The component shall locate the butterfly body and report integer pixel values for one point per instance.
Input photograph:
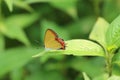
(52, 41)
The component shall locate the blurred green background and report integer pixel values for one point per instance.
(22, 27)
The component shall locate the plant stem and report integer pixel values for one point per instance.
(109, 57)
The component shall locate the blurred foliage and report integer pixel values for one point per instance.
(22, 27)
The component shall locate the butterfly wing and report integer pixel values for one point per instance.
(50, 40)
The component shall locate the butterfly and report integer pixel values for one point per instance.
(52, 41)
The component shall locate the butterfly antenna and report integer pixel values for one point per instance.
(38, 43)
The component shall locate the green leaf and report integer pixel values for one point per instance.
(16, 74)
(15, 32)
(23, 5)
(78, 47)
(46, 57)
(113, 34)
(36, 1)
(2, 27)
(116, 58)
(13, 26)
(81, 47)
(114, 77)
(108, 6)
(103, 76)
(99, 31)
(68, 6)
(21, 20)
(45, 75)
(2, 43)
(116, 64)
(116, 69)
(92, 66)
(9, 4)
(15, 58)
(85, 76)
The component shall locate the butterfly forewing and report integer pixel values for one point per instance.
(50, 40)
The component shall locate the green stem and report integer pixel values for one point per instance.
(109, 57)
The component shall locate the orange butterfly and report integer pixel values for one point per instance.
(52, 41)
